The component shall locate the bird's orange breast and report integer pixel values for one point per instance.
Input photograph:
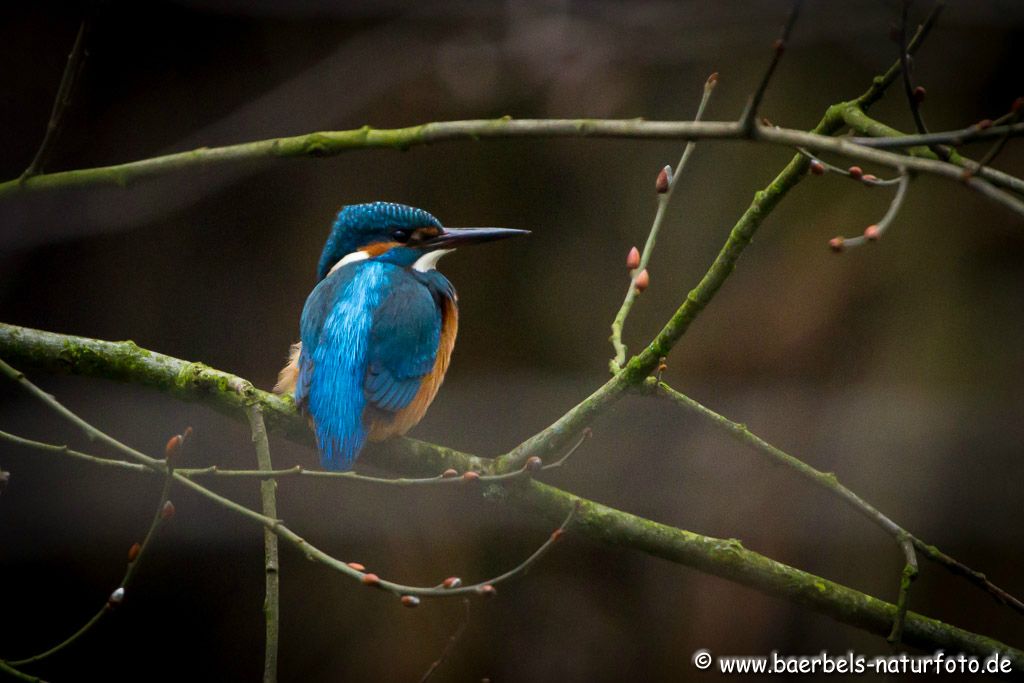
(408, 417)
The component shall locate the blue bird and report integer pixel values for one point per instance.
(377, 331)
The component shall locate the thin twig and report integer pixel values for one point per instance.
(453, 640)
(828, 481)
(749, 118)
(6, 668)
(907, 576)
(908, 87)
(652, 236)
(271, 562)
(76, 62)
(873, 233)
(134, 559)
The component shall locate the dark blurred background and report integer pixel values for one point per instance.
(897, 366)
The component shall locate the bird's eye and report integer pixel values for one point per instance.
(400, 235)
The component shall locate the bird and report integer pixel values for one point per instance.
(377, 331)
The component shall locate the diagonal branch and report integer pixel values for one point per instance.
(725, 558)
(829, 482)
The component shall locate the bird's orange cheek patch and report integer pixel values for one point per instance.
(378, 248)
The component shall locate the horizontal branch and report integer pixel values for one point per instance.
(329, 143)
(725, 558)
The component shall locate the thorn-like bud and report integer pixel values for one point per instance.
(167, 511)
(471, 476)
(856, 172)
(664, 180)
(487, 590)
(534, 463)
(452, 582)
(836, 244)
(642, 281)
(779, 45)
(633, 259)
(817, 168)
(173, 444)
(357, 566)
(410, 601)
(919, 94)
(187, 434)
(557, 534)
(869, 179)
(117, 597)
(871, 233)
(371, 580)
(133, 552)
(984, 123)
(712, 81)
(449, 473)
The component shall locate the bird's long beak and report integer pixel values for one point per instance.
(451, 238)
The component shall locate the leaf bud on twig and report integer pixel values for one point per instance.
(817, 168)
(664, 180)
(856, 172)
(410, 601)
(836, 244)
(167, 511)
(642, 281)
(633, 259)
(452, 582)
(359, 567)
(133, 552)
(872, 233)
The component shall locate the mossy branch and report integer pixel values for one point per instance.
(728, 559)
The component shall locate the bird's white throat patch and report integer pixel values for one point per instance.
(428, 261)
(349, 258)
(424, 263)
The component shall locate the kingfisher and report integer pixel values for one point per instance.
(377, 331)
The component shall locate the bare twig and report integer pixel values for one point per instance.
(663, 200)
(271, 561)
(453, 640)
(76, 61)
(828, 481)
(135, 555)
(749, 118)
(873, 233)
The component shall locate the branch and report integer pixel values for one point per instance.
(887, 137)
(664, 197)
(271, 563)
(830, 483)
(135, 555)
(331, 143)
(749, 118)
(725, 558)
(76, 62)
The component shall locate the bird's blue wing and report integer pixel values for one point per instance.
(404, 339)
(335, 329)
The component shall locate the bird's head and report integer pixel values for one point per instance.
(406, 235)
